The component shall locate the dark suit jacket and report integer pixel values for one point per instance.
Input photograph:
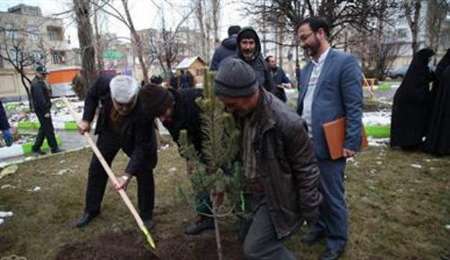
(136, 134)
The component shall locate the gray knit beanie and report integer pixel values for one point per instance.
(235, 78)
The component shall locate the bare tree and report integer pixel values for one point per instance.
(207, 14)
(20, 52)
(339, 14)
(124, 17)
(165, 49)
(200, 15)
(437, 12)
(83, 10)
(99, 48)
(411, 9)
(215, 6)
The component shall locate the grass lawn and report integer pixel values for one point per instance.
(398, 202)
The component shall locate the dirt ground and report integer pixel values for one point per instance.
(129, 245)
(398, 204)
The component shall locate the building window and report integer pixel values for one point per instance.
(402, 33)
(58, 57)
(11, 31)
(15, 56)
(54, 33)
(37, 56)
(33, 32)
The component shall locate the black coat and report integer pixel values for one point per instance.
(412, 102)
(136, 132)
(186, 116)
(4, 124)
(40, 95)
(278, 78)
(226, 49)
(258, 64)
(438, 136)
(287, 166)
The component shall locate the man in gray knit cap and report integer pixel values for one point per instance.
(281, 173)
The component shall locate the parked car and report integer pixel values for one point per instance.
(399, 72)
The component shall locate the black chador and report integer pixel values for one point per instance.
(438, 136)
(412, 103)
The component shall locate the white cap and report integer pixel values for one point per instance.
(123, 88)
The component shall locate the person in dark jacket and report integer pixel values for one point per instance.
(184, 114)
(280, 169)
(4, 126)
(227, 48)
(122, 124)
(437, 139)
(185, 80)
(249, 50)
(40, 95)
(279, 78)
(156, 80)
(412, 104)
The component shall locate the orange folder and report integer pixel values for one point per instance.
(335, 137)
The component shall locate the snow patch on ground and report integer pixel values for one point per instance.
(377, 118)
(378, 141)
(417, 166)
(5, 214)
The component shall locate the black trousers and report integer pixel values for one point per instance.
(109, 145)
(47, 131)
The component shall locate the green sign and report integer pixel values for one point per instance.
(112, 55)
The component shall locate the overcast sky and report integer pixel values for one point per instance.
(144, 13)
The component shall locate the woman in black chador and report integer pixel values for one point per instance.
(411, 108)
(438, 136)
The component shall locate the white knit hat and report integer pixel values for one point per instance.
(123, 88)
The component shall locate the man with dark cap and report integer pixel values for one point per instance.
(40, 95)
(121, 124)
(226, 49)
(280, 169)
(249, 50)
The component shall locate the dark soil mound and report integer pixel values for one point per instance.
(131, 245)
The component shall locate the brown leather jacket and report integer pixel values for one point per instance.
(287, 166)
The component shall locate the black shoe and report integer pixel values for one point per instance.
(332, 254)
(57, 150)
(38, 152)
(312, 238)
(197, 227)
(85, 219)
(149, 224)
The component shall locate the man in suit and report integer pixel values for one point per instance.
(330, 89)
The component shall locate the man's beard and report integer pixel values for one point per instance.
(248, 54)
(243, 113)
(313, 49)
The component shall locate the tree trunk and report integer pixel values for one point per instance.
(216, 20)
(200, 17)
(412, 12)
(24, 79)
(137, 41)
(85, 38)
(216, 227)
(98, 43)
